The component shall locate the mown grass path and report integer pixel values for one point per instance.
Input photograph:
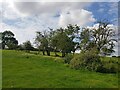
(22, 70)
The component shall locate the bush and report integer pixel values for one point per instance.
(76, 62)
(68, 58)
(108, 67)
(88, 60)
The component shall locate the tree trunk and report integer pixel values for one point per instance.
(48, 52)
(38, 51)
(3, 46)
(73, 53)
(63, 54)
(43, 52)
(55, 51)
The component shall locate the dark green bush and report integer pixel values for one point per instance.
(108, 67)
(68, 58)
(88, 60)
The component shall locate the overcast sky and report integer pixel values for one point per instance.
(25, 18)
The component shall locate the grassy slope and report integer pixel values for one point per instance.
(0, 69)
(23, 70)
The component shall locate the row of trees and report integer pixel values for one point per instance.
(67, 40)
(61, 40)
(8, 41)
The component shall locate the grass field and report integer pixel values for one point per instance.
(23, 70)
(0, 69)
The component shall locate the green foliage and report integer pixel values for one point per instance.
(27, 46)
(20, 47)
(85, 39)
(91, 61)
(68, 58)
(88, 60)
(62, 39)
(42, 42)
(9, 40)
(102, 38)
(76, 62)
(109, 66)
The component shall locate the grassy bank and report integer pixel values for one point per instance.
(23, 70)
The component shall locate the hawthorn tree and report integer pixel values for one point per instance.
(63, 39)
(41, 41)
(54, 41)
(100, 38)
(72, 32)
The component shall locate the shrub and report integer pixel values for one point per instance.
(68, 58)
(76, 62)
(108, 67)
(87, 60)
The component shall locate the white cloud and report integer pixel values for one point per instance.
(46, 10)
(47, 0)
(80, 17)
(38, 16)
(20, 34)
(46, 7)
(26, 28)
(8, 11)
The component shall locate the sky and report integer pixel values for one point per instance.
(24, 18)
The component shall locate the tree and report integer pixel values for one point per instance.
(20, 47)
(64, 43)
(53, 41)
(100, 38)
(27, 46)
(41, 41)
(85, 37)
(63, 40)
(72, 32)
(9, 40)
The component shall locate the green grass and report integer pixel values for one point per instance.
(23, 70)
(0, 69)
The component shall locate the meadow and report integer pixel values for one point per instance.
(28, 70)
